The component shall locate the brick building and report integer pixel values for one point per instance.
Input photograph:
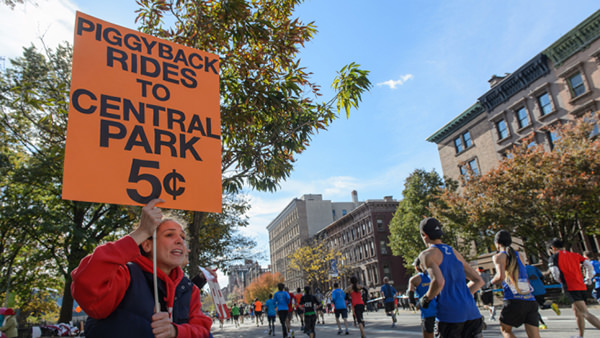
(561, 83)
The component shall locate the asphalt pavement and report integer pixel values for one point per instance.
(378, 325)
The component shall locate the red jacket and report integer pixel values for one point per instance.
(102, 278)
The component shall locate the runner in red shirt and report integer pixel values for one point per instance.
(566, 269)
(299, 310)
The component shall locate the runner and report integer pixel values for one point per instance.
(235, 313)
(566, 269)
(309, 303)
(358, 306)
(290, 312)
(338, 297)
(271, 313)
(418, 286)
(320, 310)
(389, 293)
(448, 271)
(282, 299)
(243, 312)
(596, 264)
(535, 277)
(299, 311)
(487, 294)
(258, 311)
(520, 306)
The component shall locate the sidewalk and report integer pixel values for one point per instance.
(378, 325)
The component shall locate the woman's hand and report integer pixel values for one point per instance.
(162, 326)
(151, 218)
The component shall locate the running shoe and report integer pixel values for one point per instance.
(556, 309)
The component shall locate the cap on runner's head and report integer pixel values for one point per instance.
(431, 227)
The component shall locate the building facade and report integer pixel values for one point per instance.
(559, 84)
(241, 275)
(361, 237)
(301, 219)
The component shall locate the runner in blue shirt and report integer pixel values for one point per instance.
(448, 271)
(539, 292)
(271, 313)
(593, 258)
(282, 298)
(388, 293)
(338, 297)
(520, 306)
(418, 286)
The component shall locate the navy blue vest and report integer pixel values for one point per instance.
(132, 317)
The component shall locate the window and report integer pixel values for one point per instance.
(522, 117)
(372, 249)
(463, 142)
(458, 145)
(502, 129)
(545, 104)
(344, 212)
(467, 139)
(577, 85)
(386, 271)
(552, 137)
(473, 166)
(383, 247)
(380, 224)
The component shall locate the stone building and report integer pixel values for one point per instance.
(301, 219)
(241, 275)
(561, 83)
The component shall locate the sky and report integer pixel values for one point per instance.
(428, 60)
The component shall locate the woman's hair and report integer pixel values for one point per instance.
(504, 238)
(354, 282)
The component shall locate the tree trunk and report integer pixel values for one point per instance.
(194, 234)
(66, 309)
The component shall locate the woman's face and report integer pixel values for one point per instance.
(170, 246)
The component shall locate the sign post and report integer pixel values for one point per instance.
(144, 120)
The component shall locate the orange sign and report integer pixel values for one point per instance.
(144, 120)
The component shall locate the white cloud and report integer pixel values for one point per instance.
(51, 20)
(394, 83)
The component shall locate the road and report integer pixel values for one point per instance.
(378, 325)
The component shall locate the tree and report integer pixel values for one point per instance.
(33, 114)
(313, 261)
(268, 103)
(537, 194)
(421, 188)
(260, 288)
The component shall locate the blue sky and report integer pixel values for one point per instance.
(429, 61)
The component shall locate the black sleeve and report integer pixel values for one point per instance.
(199, 281)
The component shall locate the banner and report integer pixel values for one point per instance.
(215, 292)
(144, 120)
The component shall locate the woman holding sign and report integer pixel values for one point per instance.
(114, 285)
